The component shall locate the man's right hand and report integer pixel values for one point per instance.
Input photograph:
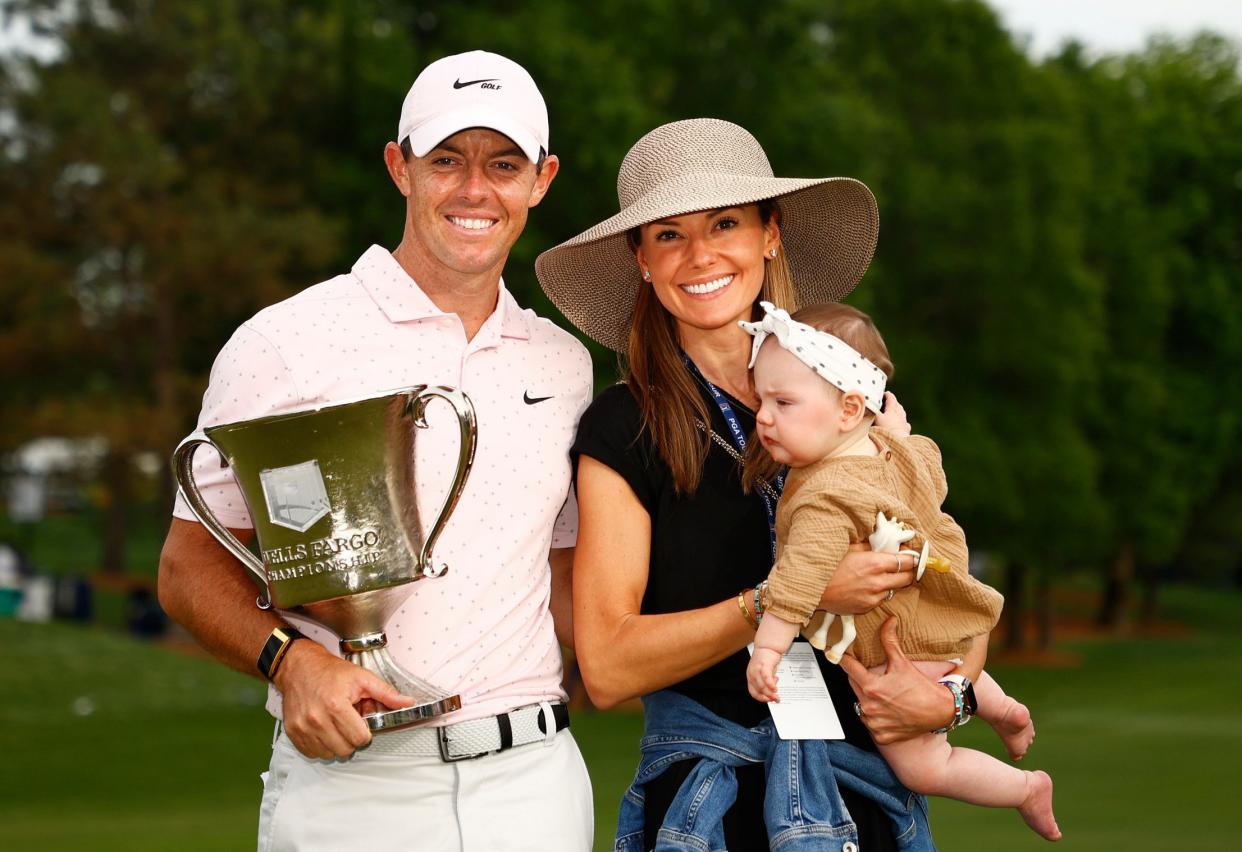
(319, 692)
(203, 587)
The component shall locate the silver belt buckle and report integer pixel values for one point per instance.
(442, 740)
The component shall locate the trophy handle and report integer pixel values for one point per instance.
(465, 458)
(183, 471)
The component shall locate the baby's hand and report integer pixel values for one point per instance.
(893, 417)
(761, 674)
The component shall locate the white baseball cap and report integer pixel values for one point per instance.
(475, 89)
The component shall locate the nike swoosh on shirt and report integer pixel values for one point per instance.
(458, 84)
(531, 400)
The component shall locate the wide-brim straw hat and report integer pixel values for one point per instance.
(829, 226)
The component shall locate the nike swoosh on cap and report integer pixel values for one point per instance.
(531, 400)
(458, 84)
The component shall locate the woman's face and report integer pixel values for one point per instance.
(707, 268)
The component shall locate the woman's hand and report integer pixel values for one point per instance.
(863, 580)
(893, 417)
(902, 703)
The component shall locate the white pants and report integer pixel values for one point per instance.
(533, 797)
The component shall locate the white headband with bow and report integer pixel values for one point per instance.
(832, 359)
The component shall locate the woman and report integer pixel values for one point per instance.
(670, 547)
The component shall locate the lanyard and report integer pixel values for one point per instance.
(739, 441)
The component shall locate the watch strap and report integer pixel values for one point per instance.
(964, 703)
(274, 650)
(968, 695)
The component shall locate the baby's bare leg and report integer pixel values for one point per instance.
(929, 765)
(1007, 716)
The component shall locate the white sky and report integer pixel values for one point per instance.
(1105, 26)
(1115, 26)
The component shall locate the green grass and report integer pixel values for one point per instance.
(112, 744)
(1142, 739)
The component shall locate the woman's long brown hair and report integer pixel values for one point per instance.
(671, 405)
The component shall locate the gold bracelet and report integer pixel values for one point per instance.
(747, 612)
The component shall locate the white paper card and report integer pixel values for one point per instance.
(805, 711)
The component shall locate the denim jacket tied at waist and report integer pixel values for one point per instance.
(802, 806)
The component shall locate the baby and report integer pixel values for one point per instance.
(821, 382)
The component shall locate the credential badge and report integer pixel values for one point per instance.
(295, 495)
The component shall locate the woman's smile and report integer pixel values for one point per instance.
(709, 288)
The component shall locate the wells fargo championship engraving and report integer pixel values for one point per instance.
(327, 554)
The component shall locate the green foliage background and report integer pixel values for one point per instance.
(1058, 271)
(1059, 277)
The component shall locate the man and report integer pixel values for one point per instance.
(471, 160)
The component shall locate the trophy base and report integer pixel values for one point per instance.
(390, 720)
(431, 700)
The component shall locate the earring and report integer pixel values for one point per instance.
(772, 254)
(646, 275)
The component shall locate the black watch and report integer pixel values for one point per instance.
(968, 696)
(274, 650)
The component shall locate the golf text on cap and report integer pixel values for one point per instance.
(487, 84)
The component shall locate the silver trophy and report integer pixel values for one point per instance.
(332, 499)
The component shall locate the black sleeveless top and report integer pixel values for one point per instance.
(705, 548)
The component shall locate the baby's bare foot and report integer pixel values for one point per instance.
(1015, 729)
(1036, 808)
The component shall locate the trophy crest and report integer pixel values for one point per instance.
(295, 495)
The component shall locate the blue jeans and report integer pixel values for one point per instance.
(802, 806)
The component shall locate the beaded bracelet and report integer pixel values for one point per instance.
(960, 714)
(759, 591)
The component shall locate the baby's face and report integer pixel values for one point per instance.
(800, 417)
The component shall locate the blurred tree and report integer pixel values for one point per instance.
(154, 194)
(1210, 553)
(1163, 232)
(978, 282)
(1057, 273)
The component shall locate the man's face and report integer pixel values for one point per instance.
(467, 200)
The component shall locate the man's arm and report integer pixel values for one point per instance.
(205, 589)
(562, 603)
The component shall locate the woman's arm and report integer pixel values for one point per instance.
(622, 653)
(561, 562)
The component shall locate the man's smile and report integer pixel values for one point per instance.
(472, 223)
